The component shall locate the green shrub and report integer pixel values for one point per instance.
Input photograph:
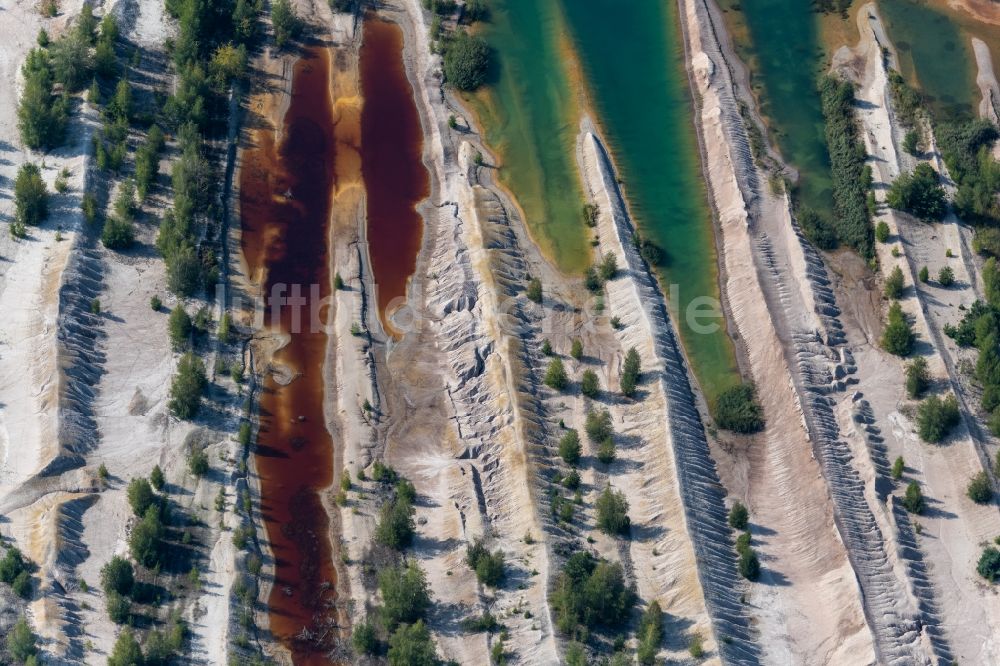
(737, 409)
(118, 234)
(12, 565)
(590, 386)
(980, 491)
(405, 595)
(898, 466)
(598, 425)
(606, 450)
(612, 512)
(127, 651)
(156, 478)
(31, 197)
(467, 61)
(119, 608)
(412, 645)
(364, 639)
(882, 232)
(140, 496)
(144, 540)
(22, 585)
(749, 565)
(555, 375)
(198, 461)
(569, 447)
(913, 501)
(918, 377)
(41, 116)
(395, 526)
(924, 275)
(609, 267)
(650, 634)
(187, 387)
(287, 25)
(546, 347)
(739, 517)
(936, 418)
(22, 644)
(946, 276)
(894, 283)
(919, 194)
(590, 593)
(489, 567)
(989, 564)
(534, 290)
(911, 142)
(898, 336)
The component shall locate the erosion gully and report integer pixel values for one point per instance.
(286, 199)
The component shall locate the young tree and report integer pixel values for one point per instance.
(412, 645)
(936, 418)
(946, 276)
(534, 290)
(127, 651)
(187, 386)
(919, 193)
(898, 466)
(737, 409)
(650, 634)
(467, 61)
(914, 498)
(117, 576)
(287, 25)
(598, 425)
(489, 567)
(31, 197)
(395, 526)
(555, 375)
(576, 350)
(22, 642)
(569, 447)
(156, 478)
(631, 370)
(144, 541)
(918, 377)
(980, 491)
(405, 595)
(894, 283)
(118, 233)
(989, 564)
(739, 517)
(364, 640)
(612, 512)
(749, 565)
(924, 275)
(590, 386)
(41, 117)
(140, 496)
(882, 232)
(609, 267)
(898, 336)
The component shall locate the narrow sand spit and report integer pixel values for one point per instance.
(804, 558)
(989, 106)
(685, 557)
(941, 559)
(898, 606)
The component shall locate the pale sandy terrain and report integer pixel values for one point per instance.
(952, 532)
(987, 11)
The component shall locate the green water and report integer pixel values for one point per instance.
(933, 55)
(785, 46)
(634, 68)
(530, 116)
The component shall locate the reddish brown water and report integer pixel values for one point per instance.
(391, 148)
(286, 195)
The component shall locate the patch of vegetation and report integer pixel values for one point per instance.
(650, 634)
(913, 501)
(187, 387)
(612, 512)
(989, 564)
(489, 567)
(979, 490)
(919, 193)
(965, 147)
(31, 197)
(898, 466)
(898, 337)
(534, 290)
(287, 25)
(631, 372)
(42, 115)
(555, 375)
(21, 642)
(847, 159)
(590, 386)
(588, 594)
(739, 517)
(405, 595)
(894, 283)
(569, 447)
(737, 409)
(412, 645)
(936, 418)
(918, 377)
(467, 61)
(395, 526)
